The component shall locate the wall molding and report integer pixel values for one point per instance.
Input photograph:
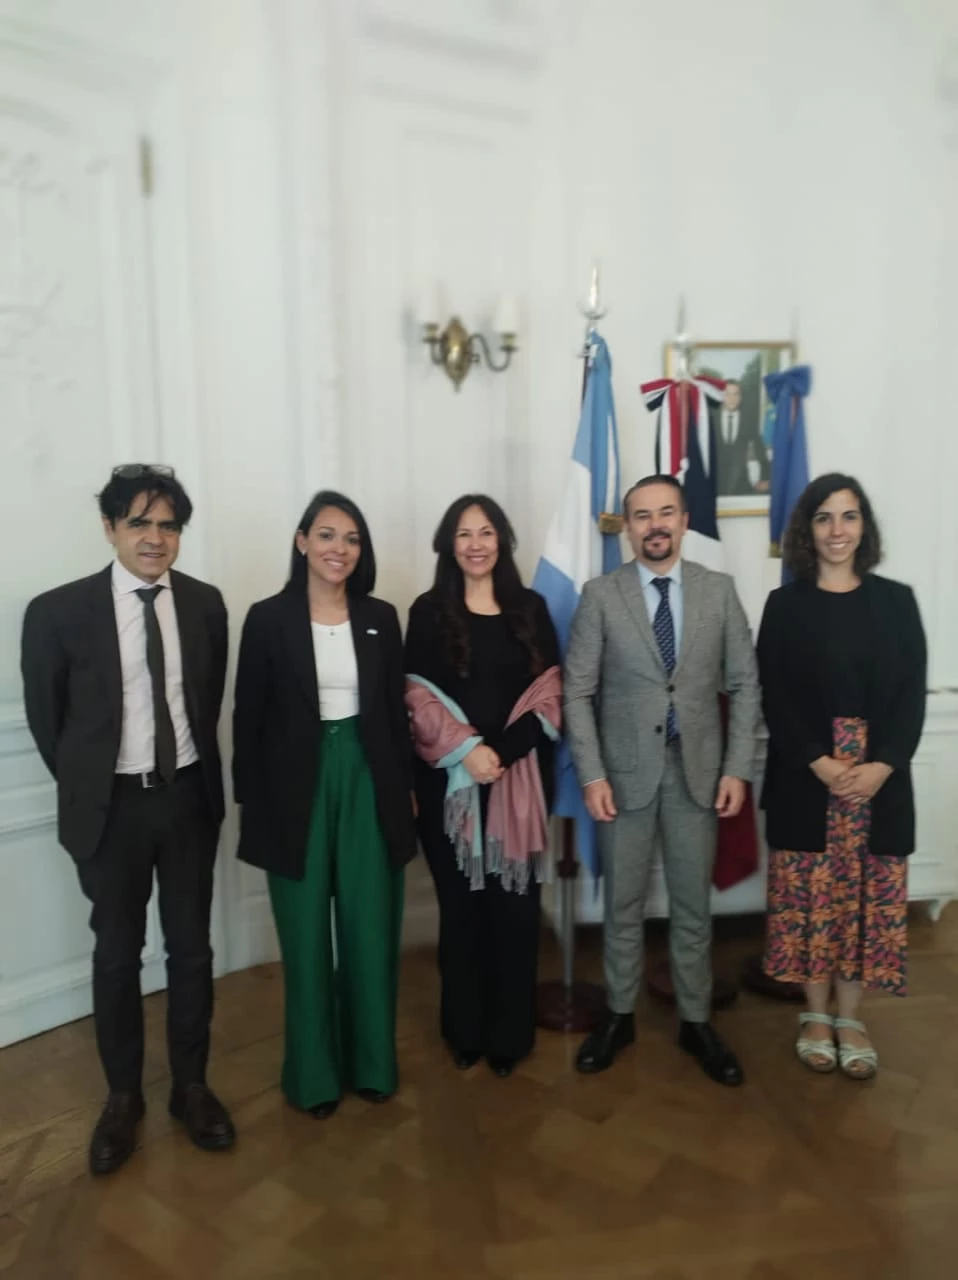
(11, 827)
(411, 37)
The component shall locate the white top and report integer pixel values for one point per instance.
(137, 747)
(336, 672)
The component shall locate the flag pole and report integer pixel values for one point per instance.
(569, 1005)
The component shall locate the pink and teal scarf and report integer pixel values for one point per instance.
(516, 835)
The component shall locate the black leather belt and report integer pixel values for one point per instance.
(152, 781)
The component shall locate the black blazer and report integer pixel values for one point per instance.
(733, 458)
(73, 690)
(799, 721)
(276, 729)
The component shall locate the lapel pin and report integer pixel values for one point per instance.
(371, 631)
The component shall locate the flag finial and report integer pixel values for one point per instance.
(682, 345)
(593, 312)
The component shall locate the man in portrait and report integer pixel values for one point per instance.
(743, 463)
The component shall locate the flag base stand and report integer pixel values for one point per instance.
(755, 979)
(564, 1004)
(659, 984)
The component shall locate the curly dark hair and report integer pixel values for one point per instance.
(798, 550)
(449, 592)
(130, 479)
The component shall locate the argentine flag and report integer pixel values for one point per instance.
(576, 550)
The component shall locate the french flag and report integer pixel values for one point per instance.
(577, 549)
(685, 448)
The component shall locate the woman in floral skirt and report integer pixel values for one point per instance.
(842, 661)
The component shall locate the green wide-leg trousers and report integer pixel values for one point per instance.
(340, 1016)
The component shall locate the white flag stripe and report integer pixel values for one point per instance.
(573, 543)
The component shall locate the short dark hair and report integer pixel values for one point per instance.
(798, 550)
(362, 580)
(658, 478)
(131, 479)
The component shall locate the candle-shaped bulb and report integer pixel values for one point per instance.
(507, 315)
(594, 290)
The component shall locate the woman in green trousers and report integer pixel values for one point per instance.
(322, 768)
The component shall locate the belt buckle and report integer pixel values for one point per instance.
(148, 780)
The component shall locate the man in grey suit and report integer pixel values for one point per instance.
(651, 648)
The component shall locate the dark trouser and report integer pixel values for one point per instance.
(488, 950)
(169, 830)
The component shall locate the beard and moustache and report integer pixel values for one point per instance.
(657, 553)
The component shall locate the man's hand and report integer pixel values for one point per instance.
(730, 797)
(599, 802)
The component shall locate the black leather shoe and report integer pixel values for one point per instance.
(114, 1138)
(614, 1032)
(323, 1110)
(374, 1095)
(206, 1119)
(713, 1055)
(465, 1058)
(501, 1067)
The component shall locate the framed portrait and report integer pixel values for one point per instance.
(744, 422)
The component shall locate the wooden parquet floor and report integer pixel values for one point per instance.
(647, 1171)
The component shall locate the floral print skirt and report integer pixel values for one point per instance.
(842, 912)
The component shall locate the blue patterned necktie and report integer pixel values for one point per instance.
(664, 629)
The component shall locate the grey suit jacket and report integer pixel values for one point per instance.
(617, 691)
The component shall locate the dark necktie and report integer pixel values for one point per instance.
(664, 628)
(164, 737)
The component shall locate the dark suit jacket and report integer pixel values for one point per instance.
(733, 477)
(276, 729)
(73, 690)
(799, 719)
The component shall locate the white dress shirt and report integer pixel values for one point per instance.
(730, 423)
(137, 746)
(653, 596)
(336, 672)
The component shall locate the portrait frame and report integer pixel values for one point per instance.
(746, 363)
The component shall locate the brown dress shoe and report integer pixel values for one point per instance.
(114, 1138)
(206, 1119)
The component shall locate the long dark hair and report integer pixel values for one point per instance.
(449, 592)
(798, 550)
(362, 580)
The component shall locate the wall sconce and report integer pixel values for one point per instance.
(456, 350)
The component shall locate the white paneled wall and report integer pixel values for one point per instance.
(318, 166)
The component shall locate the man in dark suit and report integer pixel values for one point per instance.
(123, 679)
(743, 466)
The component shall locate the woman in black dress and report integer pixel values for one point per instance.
(842, 662)
(482, 639)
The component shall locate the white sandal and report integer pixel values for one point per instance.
(824, 1050)
(856, 1063)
